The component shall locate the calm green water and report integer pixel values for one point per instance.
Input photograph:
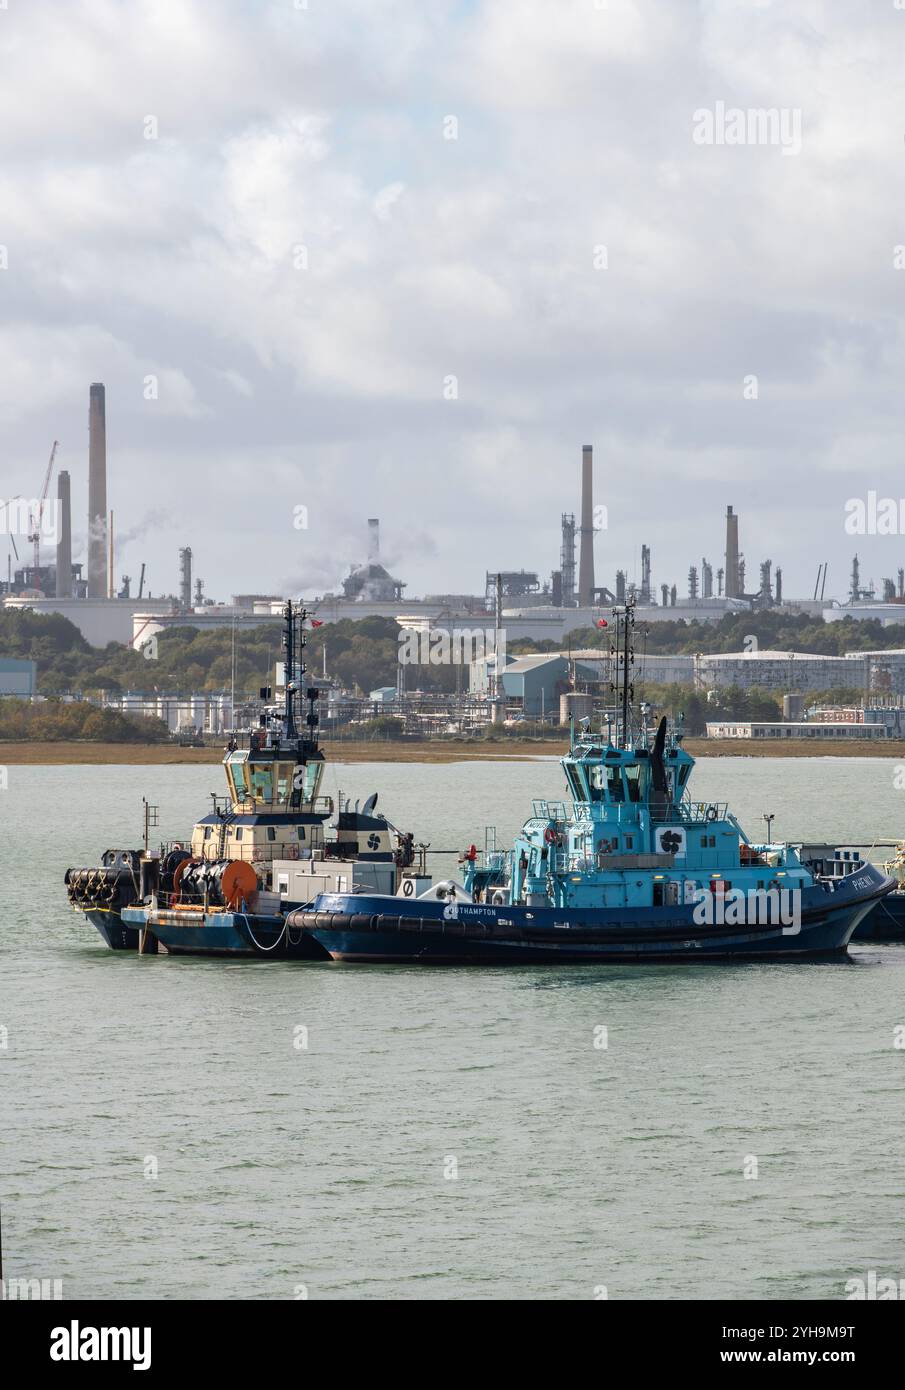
(327, 1167)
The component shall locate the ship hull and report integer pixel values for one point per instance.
(115, 933)
(359, 928)
(885, 921)
(234, 934)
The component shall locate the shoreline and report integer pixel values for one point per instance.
(65, 754)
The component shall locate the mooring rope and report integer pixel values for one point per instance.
(257, 943)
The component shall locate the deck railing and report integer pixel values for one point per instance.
(684, 812)
(687, 812)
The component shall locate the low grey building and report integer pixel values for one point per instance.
(18, 677)
(749, 729)
(781, 671)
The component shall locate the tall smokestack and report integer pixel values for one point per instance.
(185, 579)
(64, 543)
(97, 492)
(373, 540)
(586, 558)
(732, 575)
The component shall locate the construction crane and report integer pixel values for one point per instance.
(12, 539)
(35, 521)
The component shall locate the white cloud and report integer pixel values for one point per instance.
(386, 200)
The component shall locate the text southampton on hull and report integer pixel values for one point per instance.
(631, 869)
(261, 851)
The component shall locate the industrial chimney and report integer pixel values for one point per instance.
(185, 579)
(644, 596)
(64, 542)
(732, 574)
(586, 555)
(97, 492)
(706, 579)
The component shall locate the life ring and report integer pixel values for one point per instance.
(550, 835)
(408, 888)
(712, 813)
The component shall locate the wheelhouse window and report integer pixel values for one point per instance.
(636, 781)
(605, 783)
(262, 783)
(575, 783)
(239, 780)
(313, 773)
(614, 784)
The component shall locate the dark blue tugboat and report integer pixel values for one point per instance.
(633, 869)
(261, 852)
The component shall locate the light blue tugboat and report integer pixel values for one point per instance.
(632, 869)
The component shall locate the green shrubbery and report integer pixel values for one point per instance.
(362, 656)
(54, 721)
(774, 630)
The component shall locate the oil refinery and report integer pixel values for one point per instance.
(535, 605)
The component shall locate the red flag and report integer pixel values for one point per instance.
(602, 622)
(315, 623)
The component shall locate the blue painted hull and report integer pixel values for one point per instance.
(226, 934)
(117, 934)
(884, 922)
(383, 931)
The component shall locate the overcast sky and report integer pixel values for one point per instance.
(319, 135)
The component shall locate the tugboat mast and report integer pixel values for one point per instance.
(290, 733)
(294, 643)
(624, 653)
